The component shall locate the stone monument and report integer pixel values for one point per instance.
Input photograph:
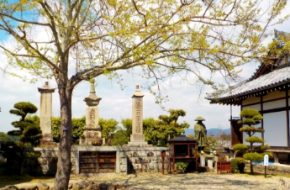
(46, 113)
(137, 136)
(92, 132)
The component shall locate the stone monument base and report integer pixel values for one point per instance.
(138, 143)
(91, 137)
(137, 140)
(47, 141)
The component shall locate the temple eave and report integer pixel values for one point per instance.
(237, 99)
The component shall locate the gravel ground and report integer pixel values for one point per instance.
(201, 181)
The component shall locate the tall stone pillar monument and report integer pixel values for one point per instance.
(137, 136)
(46, 113)
(92, 132)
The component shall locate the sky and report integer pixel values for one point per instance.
(116, 100)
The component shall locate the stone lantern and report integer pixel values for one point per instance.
(92, 132)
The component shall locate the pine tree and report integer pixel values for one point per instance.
(28, 130)
(254, 149)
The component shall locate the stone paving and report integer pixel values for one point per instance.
(201, 181)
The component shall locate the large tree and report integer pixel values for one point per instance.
(162, 36)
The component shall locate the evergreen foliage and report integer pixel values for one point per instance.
(78, 125)
(156, 131)
(108, 127)
(255, 149)
(169, 126)
(238, 164)
(17, 145)
(127, 124)
(159, 131)
(120, 137)
(28, 130)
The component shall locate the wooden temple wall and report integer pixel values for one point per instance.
(275, 110)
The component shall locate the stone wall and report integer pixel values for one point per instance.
(135, 159)
(129, 159)
(47, 160)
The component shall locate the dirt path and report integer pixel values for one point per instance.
(202, 181)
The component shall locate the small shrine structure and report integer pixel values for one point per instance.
(183, 149)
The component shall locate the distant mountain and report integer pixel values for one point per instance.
(211, 131)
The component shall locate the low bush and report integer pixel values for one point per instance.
(238, 165)
(181, 166)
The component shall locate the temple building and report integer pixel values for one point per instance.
(268, 90)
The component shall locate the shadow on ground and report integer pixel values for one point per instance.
(12, 180)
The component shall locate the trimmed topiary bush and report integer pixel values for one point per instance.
(255, 149)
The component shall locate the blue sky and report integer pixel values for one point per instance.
(116, 101)
(31, 15)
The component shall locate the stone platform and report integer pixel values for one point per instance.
(129, 159)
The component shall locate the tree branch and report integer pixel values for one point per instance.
(23, 21)
(47, 10)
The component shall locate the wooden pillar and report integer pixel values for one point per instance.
(287, 116)
(236, 134)
(261, 112)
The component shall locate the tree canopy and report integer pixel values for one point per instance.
(170, 36)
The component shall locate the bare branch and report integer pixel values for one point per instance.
(139, 12)
(47, 10)
(23, 21)
(17, 54)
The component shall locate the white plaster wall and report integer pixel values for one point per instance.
(255, 106)
(275, 126)
(274, 104)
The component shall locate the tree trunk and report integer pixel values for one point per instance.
(64, 150)
(251, 167)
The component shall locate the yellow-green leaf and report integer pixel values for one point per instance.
(112, 3)
(23, 1)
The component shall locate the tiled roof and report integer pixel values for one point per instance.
(182, 138)
(270, 80)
